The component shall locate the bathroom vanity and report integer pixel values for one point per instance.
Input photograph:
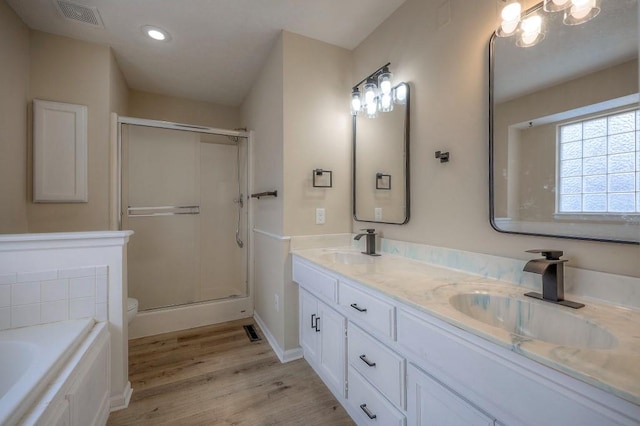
(403, 342)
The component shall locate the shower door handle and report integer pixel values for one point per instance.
(162, 211)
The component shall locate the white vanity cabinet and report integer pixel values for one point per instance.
(405, 366)
(431, 403)
(322, 337)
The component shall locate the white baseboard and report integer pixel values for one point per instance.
(283, 356)
(120, 402)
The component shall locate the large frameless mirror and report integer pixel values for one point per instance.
(381, 164)
(565, 126)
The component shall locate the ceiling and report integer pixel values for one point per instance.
(217, 47)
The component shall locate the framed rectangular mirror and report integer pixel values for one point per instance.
(565, 127)
(381, 165)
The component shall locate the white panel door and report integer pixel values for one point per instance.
(309, 336)
(430, 403)
(333, 356)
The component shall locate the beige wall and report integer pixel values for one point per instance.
(179, 110)
(67, 70)
(296, 110)
(118, 89)
(14, 85)
(262, 112)
(448, 70)
(317, 134)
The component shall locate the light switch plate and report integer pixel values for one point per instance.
(377, 212)
(320, 216)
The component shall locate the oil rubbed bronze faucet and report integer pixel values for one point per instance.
(370, 241)
(552, 270)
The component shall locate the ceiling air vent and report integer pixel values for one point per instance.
(80, 13)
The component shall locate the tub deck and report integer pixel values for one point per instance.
(30, 358)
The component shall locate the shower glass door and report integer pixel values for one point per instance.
(180, 194)
(163, 194)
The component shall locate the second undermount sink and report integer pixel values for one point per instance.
(536, 320)
(348, 257)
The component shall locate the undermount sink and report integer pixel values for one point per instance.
(536, 320)
(347, 257)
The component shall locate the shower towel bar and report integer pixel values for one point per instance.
(162, 211)
(265, 194)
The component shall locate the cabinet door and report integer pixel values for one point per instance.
(309, 333)
(430, 403)
(333, 356)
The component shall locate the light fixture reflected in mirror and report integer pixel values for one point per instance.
(529, 25)
(531, 32)
(581, 11)
(556, 5)
(510, 11)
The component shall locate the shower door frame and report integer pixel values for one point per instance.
(173, 318)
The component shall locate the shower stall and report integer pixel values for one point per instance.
(183, 192)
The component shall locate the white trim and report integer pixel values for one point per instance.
(58, 240)
(283, 356)
(271, 235)
(180, 126)
(120, 402)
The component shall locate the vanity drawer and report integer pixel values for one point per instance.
(367, 311)
(316, 282)
(368, 406)
(379, 365)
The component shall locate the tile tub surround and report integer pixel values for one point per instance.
(428, 288)
(41, 297)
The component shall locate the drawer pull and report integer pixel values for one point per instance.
(369, 414)
(358, 308)
(364, 359)
(317, 324)
(312, 318)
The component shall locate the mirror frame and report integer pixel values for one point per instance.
(407, 128)
(492, 171)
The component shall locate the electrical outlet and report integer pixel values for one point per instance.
(320, 216)
(377, 212)
(277, 300)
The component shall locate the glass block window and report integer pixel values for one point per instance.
(599, 165)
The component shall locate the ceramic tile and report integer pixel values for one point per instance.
(25, 315)
(8, 278)
(5, 318)
(54, 290)
(24, 277)
(82, 287)
(25, 293)
(82, 308)
(102, 288)
(5, 295)
(54, 311)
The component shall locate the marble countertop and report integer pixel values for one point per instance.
(607, 355)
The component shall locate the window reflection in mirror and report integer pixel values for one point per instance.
(381, 165)
(565, 129)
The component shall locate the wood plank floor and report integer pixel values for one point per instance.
(215, 376)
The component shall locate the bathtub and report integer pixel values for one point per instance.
(31, 358)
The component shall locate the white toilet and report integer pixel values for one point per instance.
(132, 309)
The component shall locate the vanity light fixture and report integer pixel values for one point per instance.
(156, 33)
(529, 26)
(378, 93)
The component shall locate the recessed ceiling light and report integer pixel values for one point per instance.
(156, 33)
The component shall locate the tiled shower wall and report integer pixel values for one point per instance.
(39, 297)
